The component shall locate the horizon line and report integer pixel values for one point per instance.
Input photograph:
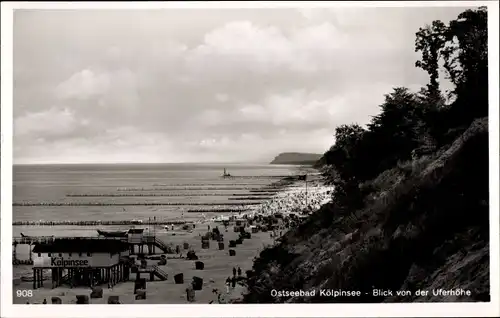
(135, 163)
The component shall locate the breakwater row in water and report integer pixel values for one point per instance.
(289, 177)
(129, 204)
(124, 195)
(265, 190)
(196, 188)
(209, 184)
(251, 198)
(95, 223)
(218, 210)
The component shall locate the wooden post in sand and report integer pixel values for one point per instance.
(306, 189)
(14, 252)
(34, 278)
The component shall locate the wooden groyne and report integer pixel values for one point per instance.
(130, 204)
(251, 198)
(265, 190)
(255, 194)
(191, 189)
(209, 184)
(217, 210)
(124, 195)
(97, 223)
(288, 177)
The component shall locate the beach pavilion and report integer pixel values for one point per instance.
(81, 261)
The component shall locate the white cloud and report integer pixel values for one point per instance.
(204, 85)
(110, 87)
(53, 122)
(264, 49)
(83, 85)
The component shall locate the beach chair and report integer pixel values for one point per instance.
(179, 278)
(197, 283)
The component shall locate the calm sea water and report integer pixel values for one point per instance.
(53, 183)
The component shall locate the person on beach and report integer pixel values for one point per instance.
(239, 271)
(233, 282)
(228, 282)
(45, 301)
(234, 271)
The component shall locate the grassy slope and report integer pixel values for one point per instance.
(424, 226)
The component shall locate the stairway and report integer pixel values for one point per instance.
(65, 279)
(159, 273)
(161, 245)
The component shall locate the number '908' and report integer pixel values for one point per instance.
(24, 293)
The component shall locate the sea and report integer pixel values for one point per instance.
(183, 187)
(191, 186)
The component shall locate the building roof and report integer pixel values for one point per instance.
(84, 245)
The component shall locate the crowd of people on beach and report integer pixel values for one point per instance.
(296, 201)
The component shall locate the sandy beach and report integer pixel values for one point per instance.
(218, 263)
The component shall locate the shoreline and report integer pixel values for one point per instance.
(218, 264)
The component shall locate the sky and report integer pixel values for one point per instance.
(204, 85)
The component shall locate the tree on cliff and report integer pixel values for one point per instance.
(410, 121)
(416, 226)
(463, 48)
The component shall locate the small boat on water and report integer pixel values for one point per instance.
(36, 237)
(112, 233)
(225, 174)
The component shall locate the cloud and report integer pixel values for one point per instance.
(265, 49)
(204, 85)
(82, 85)
(51, 123)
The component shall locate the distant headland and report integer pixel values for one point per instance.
(296, 158)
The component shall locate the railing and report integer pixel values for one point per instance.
(161, 245)
(96, 223)
(160, 273)
(32, 239)
(46, 239)
(65, 279)
(147, 239)
(16, 262)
